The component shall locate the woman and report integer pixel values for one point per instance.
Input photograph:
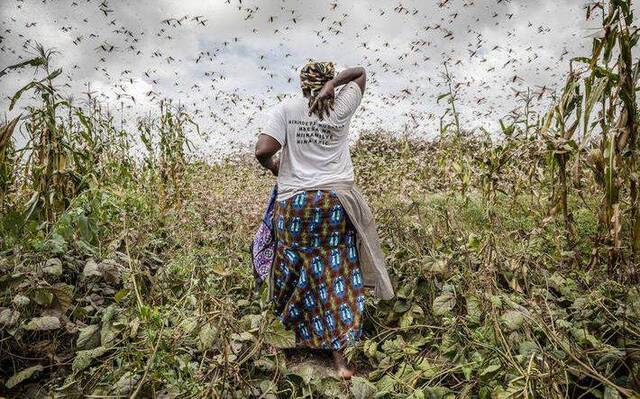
(327, 247)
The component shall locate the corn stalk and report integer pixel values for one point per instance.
(629, 135)
(8, 160)
(557, 130)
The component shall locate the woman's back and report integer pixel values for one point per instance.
(314, 151)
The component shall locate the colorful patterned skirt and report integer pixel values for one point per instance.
(318, 286)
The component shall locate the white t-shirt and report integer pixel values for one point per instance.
(313, 151)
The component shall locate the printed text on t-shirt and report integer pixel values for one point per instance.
(313, 132)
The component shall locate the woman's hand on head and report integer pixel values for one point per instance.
(324, 100)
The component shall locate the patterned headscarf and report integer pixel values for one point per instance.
(315, 74)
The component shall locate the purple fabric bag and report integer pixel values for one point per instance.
(263, 245)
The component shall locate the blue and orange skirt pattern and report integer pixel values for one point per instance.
(318, 287)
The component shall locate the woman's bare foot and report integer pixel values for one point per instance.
(341, 366)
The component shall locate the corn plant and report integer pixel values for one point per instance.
(450, 141)
(609, 88)
(558, 130)
(104, 150)
(450, 95)
(166, 141)
(51, 181)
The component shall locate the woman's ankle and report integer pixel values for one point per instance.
(342, 368)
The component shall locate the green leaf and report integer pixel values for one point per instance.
(407, 375)
(441, 96)
(126, 383)
(22, 375)
(417, 394)
(188, 325)
(110, 329)
(427, 368)
(207, 336)
(406, 320)
(437, 392)
(43, 296)
(244, 336)
(277, 336)
(18, 94)
(473, 242)
(9, 317)
(53, 75)
(370, 348)
(121, 295)
(512, 319)
(43, 323)
(401, 306)
(467, 371)
(444, 303)
(91, 269)
(53, 267)
(34, 62)
(611, 393)
(474, 311)
(492, 368)
(265, 363)
(527, 348)
(269, 389)
(56, 244)
(89, 337)
(84, 358)
(385, 384)
(583, 337)
(63, 294)
(361, 388)
(20, 300)
(304, 371)
(330, 388)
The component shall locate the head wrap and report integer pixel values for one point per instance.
(315, 74)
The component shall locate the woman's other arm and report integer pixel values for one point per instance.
(266, 148)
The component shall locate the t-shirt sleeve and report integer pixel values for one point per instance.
(347, 100)
(274, 124)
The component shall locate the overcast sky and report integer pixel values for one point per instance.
(226, 61)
